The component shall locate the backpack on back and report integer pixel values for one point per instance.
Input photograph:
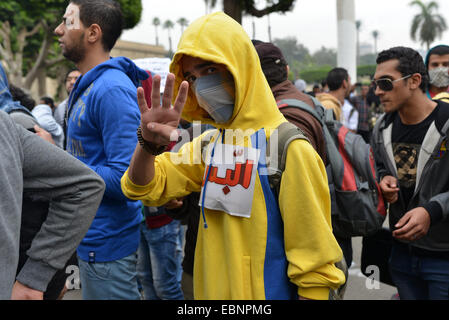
(358, 208)
(286, 133)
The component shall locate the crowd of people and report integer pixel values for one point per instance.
(169, 196)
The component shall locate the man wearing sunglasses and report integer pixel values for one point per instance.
(410, 147)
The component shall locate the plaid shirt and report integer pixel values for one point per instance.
(364, 113)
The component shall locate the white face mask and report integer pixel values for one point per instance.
(439, 77)
(216, 94)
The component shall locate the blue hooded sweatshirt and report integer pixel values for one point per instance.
(103, 117)
(7, 104)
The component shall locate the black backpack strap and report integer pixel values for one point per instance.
(286, 133)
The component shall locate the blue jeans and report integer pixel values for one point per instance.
(114, 280)
(159, 266)
(418, 277)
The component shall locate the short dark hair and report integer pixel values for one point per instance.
(69, 72)
(20, 95)
(107, 14)
(48, 101)
(410, 62)
(335, 78)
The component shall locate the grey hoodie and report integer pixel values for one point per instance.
(432, 179)
(29, 165)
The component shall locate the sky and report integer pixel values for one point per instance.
(312, 22)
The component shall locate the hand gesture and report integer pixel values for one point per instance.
(389, 187)
(160, 122)
(413, 225)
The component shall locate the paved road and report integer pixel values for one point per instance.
(357, 286)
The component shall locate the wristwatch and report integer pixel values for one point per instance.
(148, 146)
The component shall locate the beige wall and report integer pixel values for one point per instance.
(135, 50)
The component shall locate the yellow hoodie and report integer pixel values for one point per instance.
(275, 250)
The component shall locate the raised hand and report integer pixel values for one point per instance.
(160, 122)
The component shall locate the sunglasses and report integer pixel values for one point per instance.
(386, 84)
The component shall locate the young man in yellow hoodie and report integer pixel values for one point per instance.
(253, 244)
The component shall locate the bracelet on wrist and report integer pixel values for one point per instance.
(148, 146)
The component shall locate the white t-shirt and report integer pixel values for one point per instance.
(44, 117)
(350, 116)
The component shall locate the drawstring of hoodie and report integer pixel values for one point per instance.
(207, 177)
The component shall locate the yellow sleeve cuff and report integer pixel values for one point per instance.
(131, 189)
(316, 293)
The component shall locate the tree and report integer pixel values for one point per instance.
(427, 25)
(28, 46)
(292, 50)
(325, 57)
(375, 35)
(183, 22)
(156, 23)
(237, 8)
(168, 25)
(296, 54)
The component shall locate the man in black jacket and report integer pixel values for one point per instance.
(410, 145)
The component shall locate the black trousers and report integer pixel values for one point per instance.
(34, 214)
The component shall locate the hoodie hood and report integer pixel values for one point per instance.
(430, 53)
(134, 73)
(220, 39)
(7, 104)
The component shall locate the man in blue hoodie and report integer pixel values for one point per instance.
(103, 117)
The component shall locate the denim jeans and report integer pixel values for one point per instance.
(114, 280)
(159, 266)
(419, 277)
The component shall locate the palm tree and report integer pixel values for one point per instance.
(168, 25)
(375, 34)
(156, 23)
(358, 25)
(428, 24)
(209, 5)
(183, 22)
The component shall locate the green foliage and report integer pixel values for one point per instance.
(292, 50)
(26, 14)
(316, 74)
(366, 70)
(368, 59)
(132, 12)
(325, 56)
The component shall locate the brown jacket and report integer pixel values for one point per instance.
(302, 119)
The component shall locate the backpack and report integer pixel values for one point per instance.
(357, 205)
(286, 133)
